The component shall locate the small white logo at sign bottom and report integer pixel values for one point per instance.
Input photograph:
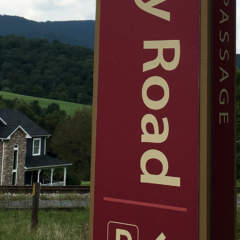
(119, 230)
(161, 237)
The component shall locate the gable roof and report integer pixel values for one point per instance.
(13, 119)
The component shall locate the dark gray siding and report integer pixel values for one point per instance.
(42, 145)
(30, 146)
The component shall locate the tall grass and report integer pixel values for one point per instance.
(238, 224)
(53, 225)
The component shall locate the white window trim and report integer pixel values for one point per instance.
(45, 145)
(3, 156)
(15, 170)
(39, 150)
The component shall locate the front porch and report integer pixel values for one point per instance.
(45, 170)
(45, 176)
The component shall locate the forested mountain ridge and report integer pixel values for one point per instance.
(41, 68)
(238, 60)
(71, 32)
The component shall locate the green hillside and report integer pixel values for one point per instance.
(39, 68)
(68, 107)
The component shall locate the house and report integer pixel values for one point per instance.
(23, 156)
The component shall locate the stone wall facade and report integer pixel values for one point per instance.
(18, 139)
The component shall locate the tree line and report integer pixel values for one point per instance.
(71, 135)
(37, 67)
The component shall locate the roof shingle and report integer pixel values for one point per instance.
(44, 161)
(13, 118)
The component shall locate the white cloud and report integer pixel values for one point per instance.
(52, 10)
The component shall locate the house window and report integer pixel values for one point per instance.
(15, 160)
(15, 165)
(36, 146)
(14, 178)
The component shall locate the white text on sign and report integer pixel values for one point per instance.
(159, 46)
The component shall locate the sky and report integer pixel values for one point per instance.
(62, 10)
(49, 10)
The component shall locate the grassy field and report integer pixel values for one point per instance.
(68, 107)
(85, 183)
(53, 225)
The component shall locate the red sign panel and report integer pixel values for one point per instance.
(223, 130)
(147, 132)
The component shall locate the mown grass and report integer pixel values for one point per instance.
(69, 107)
(85, 183)
(53, 225)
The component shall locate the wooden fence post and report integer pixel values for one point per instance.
(35, 206)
